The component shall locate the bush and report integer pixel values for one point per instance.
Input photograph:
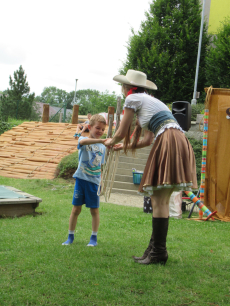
(196, 109)
(67, 166)
(197, 148)
(104, 136)
(5, 126)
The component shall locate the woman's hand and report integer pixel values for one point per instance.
(118, 147)
(107, 142)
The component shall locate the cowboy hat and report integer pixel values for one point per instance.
(135, 78)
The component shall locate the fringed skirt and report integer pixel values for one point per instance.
(171, 164)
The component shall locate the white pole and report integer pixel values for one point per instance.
(75, 91)
(198, 55)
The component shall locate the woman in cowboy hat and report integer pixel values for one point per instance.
(171, 163)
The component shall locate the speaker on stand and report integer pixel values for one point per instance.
(182, 112)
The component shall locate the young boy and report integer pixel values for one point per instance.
(83, 127)
(88, 175)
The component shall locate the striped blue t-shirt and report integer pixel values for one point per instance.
(91, 157)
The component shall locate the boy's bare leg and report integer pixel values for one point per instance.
(95, 226)
(84, 128)
(79, 126)
(76, 210)
(95, 219)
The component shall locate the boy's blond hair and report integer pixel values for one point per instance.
(96, 118)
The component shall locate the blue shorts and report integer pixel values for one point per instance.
(85, 193)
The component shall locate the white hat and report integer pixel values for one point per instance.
(135, 78)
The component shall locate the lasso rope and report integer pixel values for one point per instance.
(208, 96)
(109, 171)
(108, 174)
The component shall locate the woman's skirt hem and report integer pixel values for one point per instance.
(149, 190)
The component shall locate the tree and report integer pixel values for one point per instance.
(218, 58)
(89, 100)
(166, 48)
(92, 101)
(57, 97)
(18, 101)
(105, 100)
(70, 99)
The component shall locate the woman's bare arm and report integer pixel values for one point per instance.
(123, 128)
(146, 141)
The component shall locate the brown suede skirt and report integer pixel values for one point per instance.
(171, 164)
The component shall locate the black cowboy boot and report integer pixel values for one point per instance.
(158, 253)
(147, 251)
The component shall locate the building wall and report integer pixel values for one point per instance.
(215, 13)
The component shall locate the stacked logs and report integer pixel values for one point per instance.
(33, 150)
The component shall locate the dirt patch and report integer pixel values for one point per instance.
(125, 200)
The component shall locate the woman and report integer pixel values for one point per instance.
(171, 163)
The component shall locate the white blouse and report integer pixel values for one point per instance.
(146, 106)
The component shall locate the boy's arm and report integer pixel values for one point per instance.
(88, 141)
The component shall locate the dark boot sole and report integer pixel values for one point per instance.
(154, 262)
(139, 258)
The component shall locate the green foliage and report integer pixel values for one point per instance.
(37, 270)
(165, 48)
(18, 101)
(92, 101)
(104, 136)
(197, 148)
(35, 115)
(67, 166)
(218, 58)
(89, 100)
(196, 109)
(5, 126)
(57, 97)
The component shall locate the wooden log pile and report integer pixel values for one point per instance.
(33, 150)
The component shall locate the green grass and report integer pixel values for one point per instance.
(15, 121)
(5, 126)
(35, 269)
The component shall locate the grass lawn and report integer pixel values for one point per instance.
(35, 269)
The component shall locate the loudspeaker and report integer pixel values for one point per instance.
(182, 112)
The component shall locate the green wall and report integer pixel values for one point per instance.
(219, 9)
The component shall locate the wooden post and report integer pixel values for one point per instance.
(45, 115)
(75, 114)
(118, 112)
(110, 119)
(111, 110)
(60, 117)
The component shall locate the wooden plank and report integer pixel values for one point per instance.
(12, 175)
